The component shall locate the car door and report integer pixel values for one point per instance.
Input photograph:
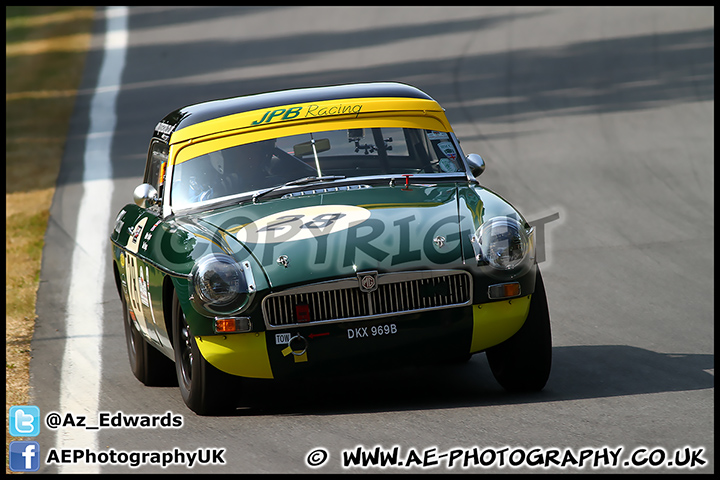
(144, 280)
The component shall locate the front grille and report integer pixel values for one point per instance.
(342, 300)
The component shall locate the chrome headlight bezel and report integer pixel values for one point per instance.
(505, 246)
(222, 285)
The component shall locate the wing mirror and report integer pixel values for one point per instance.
(145, 196)
(476, 163)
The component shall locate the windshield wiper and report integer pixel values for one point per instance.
(299, 181)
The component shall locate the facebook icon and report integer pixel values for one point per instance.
(24, 456)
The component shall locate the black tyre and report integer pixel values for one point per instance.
(522, 363)
(204, 389)
(148, 365)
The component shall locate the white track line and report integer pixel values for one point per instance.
(81, 366)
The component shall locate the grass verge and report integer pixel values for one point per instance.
(45, 50)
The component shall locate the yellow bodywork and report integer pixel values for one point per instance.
(243, 354)
(495, 322)
(246, 354)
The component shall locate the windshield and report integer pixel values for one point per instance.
(338, 153)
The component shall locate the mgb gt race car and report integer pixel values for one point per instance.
(321, 230)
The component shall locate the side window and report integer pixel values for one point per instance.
(156, 163)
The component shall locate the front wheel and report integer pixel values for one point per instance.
(522, 363)
(148, 365)
(201, 384)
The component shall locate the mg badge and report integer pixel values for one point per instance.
(368, 281)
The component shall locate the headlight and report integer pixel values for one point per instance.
(221, 284)
(504, 244)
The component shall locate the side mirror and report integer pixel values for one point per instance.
(476, 163)
(145, 195)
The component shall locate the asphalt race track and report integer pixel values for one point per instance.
(597, 123)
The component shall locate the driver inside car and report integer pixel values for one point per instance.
(230, 171)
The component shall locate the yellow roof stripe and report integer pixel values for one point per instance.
(211, 143)
(308, 112)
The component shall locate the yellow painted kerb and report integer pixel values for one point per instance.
(242, 354)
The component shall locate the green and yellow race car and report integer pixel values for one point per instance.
(321, 230)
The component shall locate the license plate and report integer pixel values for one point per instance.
(373, 331)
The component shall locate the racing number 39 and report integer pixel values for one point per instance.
(320, 222)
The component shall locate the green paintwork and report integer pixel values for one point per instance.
(342, 229)
(397, 236)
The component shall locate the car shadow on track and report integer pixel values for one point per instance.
(578, 372)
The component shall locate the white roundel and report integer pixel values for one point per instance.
(302, 223)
